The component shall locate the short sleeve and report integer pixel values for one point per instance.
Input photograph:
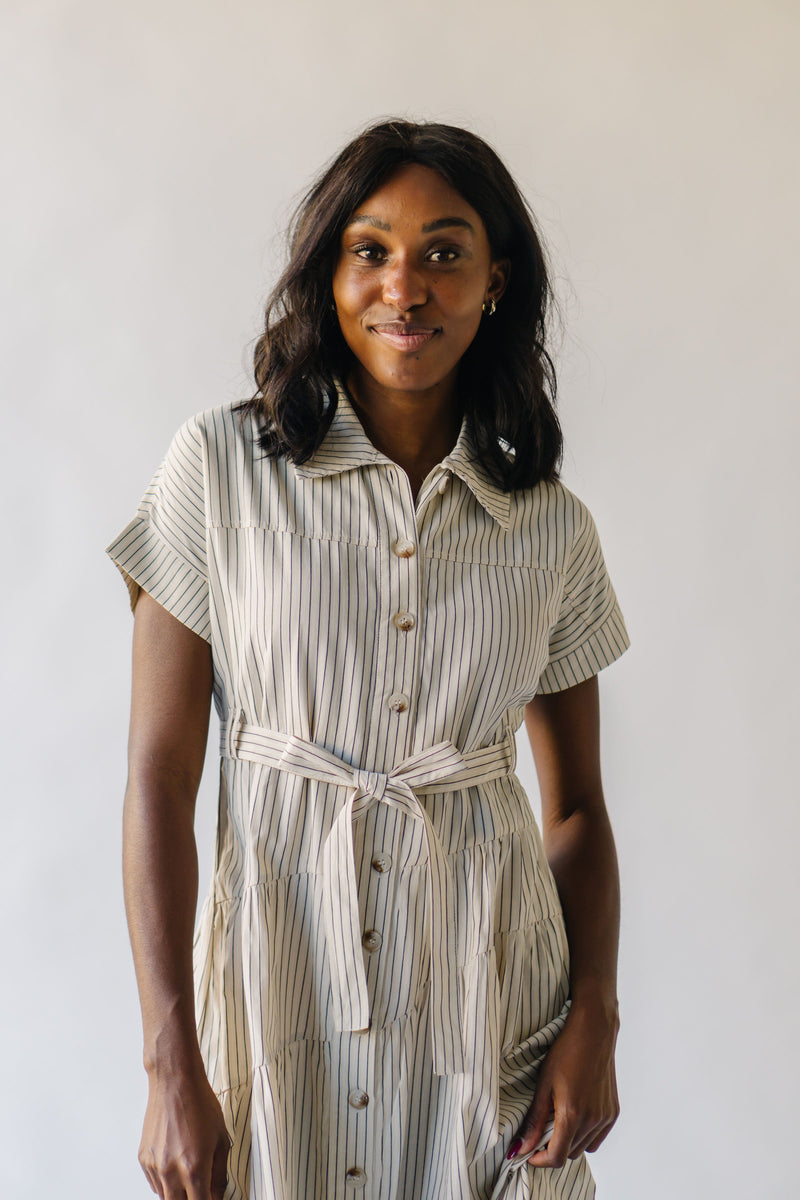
(590, 631)
(163, 549)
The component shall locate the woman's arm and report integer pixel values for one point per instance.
(184, 1144)
(577, 1082)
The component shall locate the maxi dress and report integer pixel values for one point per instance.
(381, 962)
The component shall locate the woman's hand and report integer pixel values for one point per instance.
(185, 1144)
(577, 1090)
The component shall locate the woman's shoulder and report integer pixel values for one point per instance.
(243, 486)
(553, 496)
(222, 443)
(223, 426)
(552, 518)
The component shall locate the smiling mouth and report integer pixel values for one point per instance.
(405, 336)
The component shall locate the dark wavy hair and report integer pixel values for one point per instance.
(506, 379)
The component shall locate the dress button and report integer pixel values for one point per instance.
(355, 1177)
(405, 621)
(382, 863)
(358, 1099)
(404, 547)
(398, 702)
(443, 484)
(372, 940)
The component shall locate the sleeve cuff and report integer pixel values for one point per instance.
(149, 564)
(602, 646)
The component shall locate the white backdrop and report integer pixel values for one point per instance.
(155, 151)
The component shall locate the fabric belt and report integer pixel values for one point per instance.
(441, 768)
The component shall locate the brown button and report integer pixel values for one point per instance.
(404, 547)
(358, 1099)
(398, 702)
(405, 621)
(356, 1177)
(372, 940)
(382, 863)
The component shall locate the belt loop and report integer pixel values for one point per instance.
(511, 743)
(233, 729)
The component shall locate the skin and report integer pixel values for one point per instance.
(577, 1084)
(409, 299)
(184, 1146)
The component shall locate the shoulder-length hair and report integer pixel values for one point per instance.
(506, 380)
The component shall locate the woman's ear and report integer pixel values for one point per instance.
(499, 273)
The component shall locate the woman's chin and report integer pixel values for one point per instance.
(407, 376)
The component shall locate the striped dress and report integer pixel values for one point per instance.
(381, 963)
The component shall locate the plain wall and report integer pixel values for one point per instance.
(154, 153)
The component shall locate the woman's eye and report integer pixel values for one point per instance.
(368, 251)
(444, 254)
(371, 252)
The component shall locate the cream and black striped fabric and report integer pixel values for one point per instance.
(381, 962)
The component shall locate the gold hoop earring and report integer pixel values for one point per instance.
(491, 309)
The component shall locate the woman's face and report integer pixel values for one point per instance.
(413, 272)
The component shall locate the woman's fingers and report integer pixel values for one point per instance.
(150, 1176)
(185, 1143)
(599, 1137)
(571, 1137)
(574, 1130)
(532, 1130)
(587, 1138)
(172, 1181)
(577, 1083)
(219, 1169)
(183, 1180)
(557, 1150)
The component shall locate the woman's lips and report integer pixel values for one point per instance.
(405, 337)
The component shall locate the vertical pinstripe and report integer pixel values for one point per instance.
(295, 575)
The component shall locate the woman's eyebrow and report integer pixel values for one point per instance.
(444, 222)
(365, 219)
(431, 227)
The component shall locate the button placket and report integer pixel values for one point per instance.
(355, 1094)
(403, 576)
(390, 721)
(432, 493)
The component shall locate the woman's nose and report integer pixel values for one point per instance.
(404, 286)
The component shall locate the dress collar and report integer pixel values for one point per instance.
(346, 447)
(464, 462)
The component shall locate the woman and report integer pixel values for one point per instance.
(374, 570)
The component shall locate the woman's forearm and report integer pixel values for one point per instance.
(580, 850)
(160, 879)
(171, 699)
(564, 730)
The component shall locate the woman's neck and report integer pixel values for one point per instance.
(415, 429)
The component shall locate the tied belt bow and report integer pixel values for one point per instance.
(441, 768)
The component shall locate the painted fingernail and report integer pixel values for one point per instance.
(513, 1149)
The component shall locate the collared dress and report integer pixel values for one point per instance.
(381, 963)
